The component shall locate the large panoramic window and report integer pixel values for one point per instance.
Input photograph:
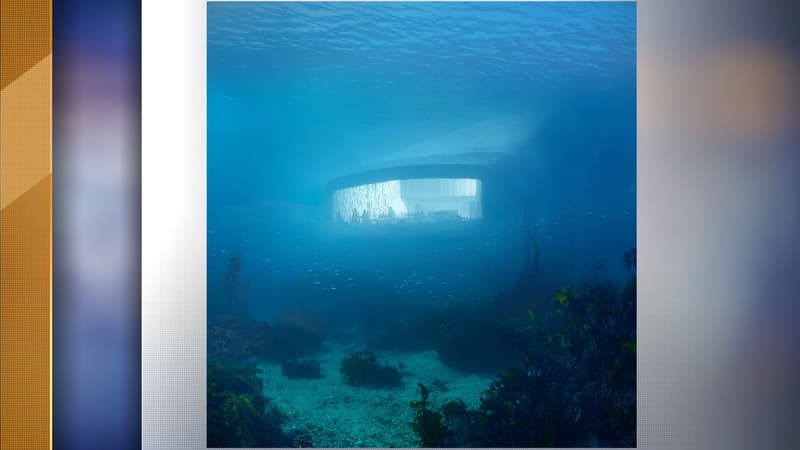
(424, 199)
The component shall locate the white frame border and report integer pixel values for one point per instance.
(173, 224)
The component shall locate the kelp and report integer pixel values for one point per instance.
(575, 385)
(235, 288)
(239, 415)
(428, 424)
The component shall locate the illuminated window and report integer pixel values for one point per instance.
(423, 199)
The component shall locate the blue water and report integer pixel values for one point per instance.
(542, 95)
(300, 93)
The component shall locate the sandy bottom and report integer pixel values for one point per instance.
(339, 415)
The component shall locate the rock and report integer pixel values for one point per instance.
(362, 369)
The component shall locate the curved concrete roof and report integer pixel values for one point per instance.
(408, 172)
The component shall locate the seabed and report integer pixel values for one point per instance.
(338, 415)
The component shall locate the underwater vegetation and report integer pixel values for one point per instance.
(629, 260)
(233, 335)
(532, 256)
(363, 369)
(575, 385)
(578, 384)
(235, 288)
(428, 424)
(453, 425)
(564, 368)
(239, 415)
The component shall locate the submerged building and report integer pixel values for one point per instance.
(442, 178)
(423, 193)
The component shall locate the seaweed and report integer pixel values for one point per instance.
(239, 415)
(577, 385)
(362, 369)
(629, 260)
(453, 425)
(235, 288)
(428, 424)
(574, 385)
(531, 257)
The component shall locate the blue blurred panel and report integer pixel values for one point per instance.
(96, 225)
